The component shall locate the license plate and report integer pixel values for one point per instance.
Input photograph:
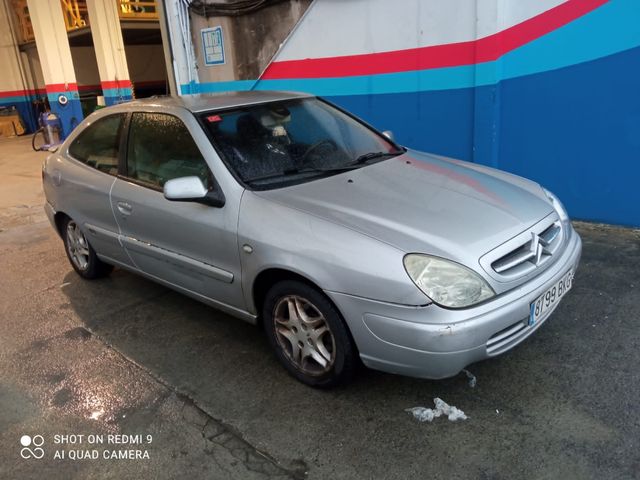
(546, 302)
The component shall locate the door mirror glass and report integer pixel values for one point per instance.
(191, 189)
(388, 134)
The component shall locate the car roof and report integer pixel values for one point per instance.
(216, 101)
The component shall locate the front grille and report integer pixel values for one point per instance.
(534, 253)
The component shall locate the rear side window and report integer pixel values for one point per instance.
(161, 148)
(98, 145)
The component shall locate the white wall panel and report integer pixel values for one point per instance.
(339, 28)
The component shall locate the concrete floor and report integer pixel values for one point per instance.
(125, 356)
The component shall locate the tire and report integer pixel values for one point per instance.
(81, 254)
(305, 330)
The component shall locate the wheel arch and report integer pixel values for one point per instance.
(269, 277)
(59, 219)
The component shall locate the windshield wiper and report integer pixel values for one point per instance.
(371, 155)
(357, 163)
(294, 171)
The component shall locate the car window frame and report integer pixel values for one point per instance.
(124, 154)
(199, 115)
(120, 134)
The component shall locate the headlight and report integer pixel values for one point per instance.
(447, 283)
(557, 205)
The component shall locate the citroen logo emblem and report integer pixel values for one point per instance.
(538, 247)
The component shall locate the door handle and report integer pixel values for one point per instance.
(124, 208)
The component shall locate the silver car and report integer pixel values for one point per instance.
(288, 212)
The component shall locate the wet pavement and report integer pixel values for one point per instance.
(202, 395)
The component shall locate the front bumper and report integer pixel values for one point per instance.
(434, 342)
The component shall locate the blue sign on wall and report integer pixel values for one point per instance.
(212, 46)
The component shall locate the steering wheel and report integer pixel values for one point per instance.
(324, 143)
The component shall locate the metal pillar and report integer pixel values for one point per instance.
(110, 53)
(16, 88)
(55, 57)
(180, 46)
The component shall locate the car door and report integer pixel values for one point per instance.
(190, 245)
(85, 181)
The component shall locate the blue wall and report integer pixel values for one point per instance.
(576, 130)
(435, 121)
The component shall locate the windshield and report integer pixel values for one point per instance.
(282, 143)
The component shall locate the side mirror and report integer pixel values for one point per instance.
(191, 189)
(389, 135)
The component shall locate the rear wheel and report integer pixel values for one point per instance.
(308, 335)
(81, 255)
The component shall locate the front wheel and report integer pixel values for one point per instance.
(81, 254)
(308, 335)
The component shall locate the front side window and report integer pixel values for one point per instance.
(161, 148)
(99, 144)
(281, 143)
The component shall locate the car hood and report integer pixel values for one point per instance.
(424, 203)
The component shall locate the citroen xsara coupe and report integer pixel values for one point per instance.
(286, 211)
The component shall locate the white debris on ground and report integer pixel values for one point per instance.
(423, 414)
(472, 378)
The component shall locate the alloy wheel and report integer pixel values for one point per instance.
(304, 335)
(77, 246)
